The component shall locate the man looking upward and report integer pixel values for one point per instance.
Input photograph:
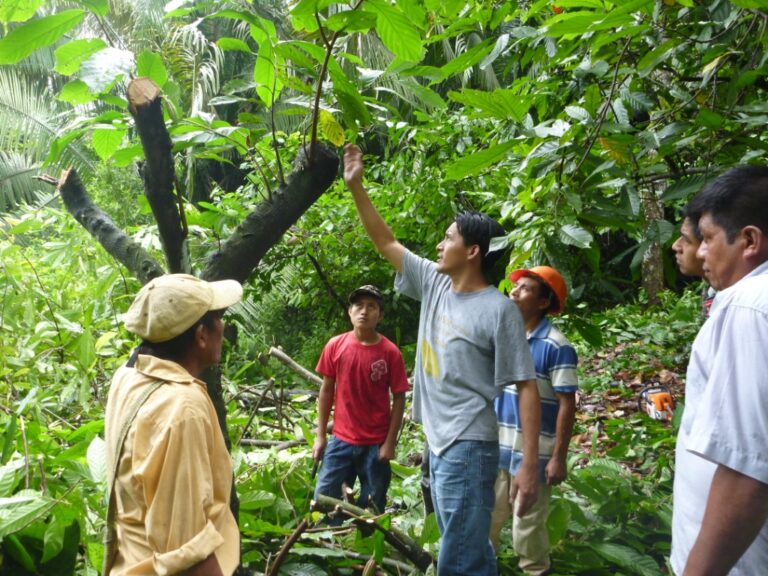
(471, 345)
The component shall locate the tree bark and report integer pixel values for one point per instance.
(264, 227)
(158, 172)
(652, 268)
(119, 245)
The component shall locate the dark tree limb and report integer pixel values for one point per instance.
(119, 245)
(145, 105)
(402, 543)
(264, 227)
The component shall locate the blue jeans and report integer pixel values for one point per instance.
(343, 462)
(463, 479)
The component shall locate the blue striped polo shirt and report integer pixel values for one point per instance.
(555, 362)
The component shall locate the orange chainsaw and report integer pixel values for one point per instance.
(656, 401)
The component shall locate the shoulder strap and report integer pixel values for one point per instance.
(110, 537)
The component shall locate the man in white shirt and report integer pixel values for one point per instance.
(720, 515)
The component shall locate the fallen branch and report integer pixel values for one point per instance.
(402, 543)
(287, 546)
(278, 445)
(295, 366)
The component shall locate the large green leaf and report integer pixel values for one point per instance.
(21, 510)
(106, 140)
(71, 55)
(468, 59)
(396, 30)
(477, 161)
(97, 460)
(574, 235)
(8, 476)
(628, 558)
(18, 10)
(151, 65)
(22, 41)
(502, 103)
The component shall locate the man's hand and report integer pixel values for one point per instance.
(386, 452)
(319, 448)
(555, 472)
(524, 490)
(353, 167)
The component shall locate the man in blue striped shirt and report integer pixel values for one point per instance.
(538, 292)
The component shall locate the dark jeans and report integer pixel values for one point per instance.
(343, 462)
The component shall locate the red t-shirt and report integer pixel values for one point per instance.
(364, 377)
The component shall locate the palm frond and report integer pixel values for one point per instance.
(17, 185)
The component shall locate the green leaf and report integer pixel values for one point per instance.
(107, 140)
(351, 21)
(53, 540)
(99, 7)
(150, 65)
(467, 59)
(97, 460)
(22, 509)
(574, 235)
(501, 103)
(126, 155)
(18, 552)
(751, 4)
(684, 188)
(330, 129)
(69, 56)
(8, 476)
(104, 67)
(35, 34)
(652, 59)
(76, 92)
(9, 440)
(395, 30)
(18, 10)
(627, 558)
(231, 44)
(430, 533)
(477, 161)
(257, 499)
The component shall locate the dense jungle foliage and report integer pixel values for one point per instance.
(583, 125)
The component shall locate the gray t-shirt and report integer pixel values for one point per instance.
(471, 345)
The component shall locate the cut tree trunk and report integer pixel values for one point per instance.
(145, 104)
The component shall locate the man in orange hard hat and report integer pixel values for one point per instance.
(538, 292)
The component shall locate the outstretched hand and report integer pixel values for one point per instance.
(353, 167)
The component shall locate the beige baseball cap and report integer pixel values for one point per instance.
(168, 305)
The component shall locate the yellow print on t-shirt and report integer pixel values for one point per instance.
(429, 361)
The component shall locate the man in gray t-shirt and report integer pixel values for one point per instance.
(471, 345)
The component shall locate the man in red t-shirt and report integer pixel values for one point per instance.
(360, 369)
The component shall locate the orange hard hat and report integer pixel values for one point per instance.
(551, 278)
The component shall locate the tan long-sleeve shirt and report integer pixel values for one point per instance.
(174, 476)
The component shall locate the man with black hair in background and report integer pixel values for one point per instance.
(720, 513)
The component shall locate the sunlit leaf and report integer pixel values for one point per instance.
(575, 236)
(397, 33)
(104, 67)
(22, 41)
(150, 65)
(330, 129)
(69, 56)
(477, 161)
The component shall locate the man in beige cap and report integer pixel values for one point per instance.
(169, 472)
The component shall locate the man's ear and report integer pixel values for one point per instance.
(755, 242)
(201, 337)
(474, 251)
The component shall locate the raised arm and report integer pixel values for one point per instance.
(374, 225)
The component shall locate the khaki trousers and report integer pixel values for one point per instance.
(530, 538)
